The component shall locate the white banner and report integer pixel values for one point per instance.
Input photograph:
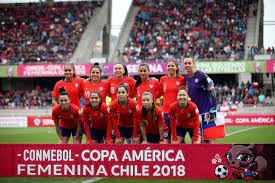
(13, 122)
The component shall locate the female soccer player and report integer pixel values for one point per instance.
(151, 120)
(121, 77)
(96, 119)
(170, 85)
(144, 83)
(66, 118)
(184, 117)
(123, 114)
(202, 92)
(94, 83)
(71, 84)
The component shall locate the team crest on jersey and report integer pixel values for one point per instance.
(118, 114)
(101, 88)
(177, 83)
(188, 115)
(76, 85)
(196, 80)
(101, 114)
(130, 111)
(72, 116)
(151, 86)
(112, 90)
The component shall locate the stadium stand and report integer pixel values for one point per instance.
(207, 30)
(42, 32)
(249, 93)
(26, 98)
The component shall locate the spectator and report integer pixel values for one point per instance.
(42, 32)
(205, 29)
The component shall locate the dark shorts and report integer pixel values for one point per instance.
(167, 121)
(182, 131)
(126, 132)
(153, 138)
(97, 135)
(113, 134)
(82, 132)
(65, 132)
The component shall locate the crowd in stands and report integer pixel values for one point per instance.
(42, 32)
(206, 30)
(249, 93)
(38, 97)
(254, 50)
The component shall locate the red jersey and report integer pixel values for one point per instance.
(152, 126)
(113, 83)
(125, 117)
(186, 118)
(152, 85)
(98, 119)
(66, 119)
(87, 87)
(72, 88)
(170, 87)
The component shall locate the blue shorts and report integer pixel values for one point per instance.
(82, 132)
(126, 132)
(65, 132)
(153, 138)
(113, 134)
(182, 131)
(167, 121)
(97, 135)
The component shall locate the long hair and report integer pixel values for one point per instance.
(72, 66)
(144, 111)
(177, 65)
(97, 67)
(139, 81)
(125, 69)
(99, 95)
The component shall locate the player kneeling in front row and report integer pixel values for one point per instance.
(67, 119)
(184, 117)
(96, 119)
(151, 121)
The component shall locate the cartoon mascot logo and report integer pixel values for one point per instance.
(246, 162)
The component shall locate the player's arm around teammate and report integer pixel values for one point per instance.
(184, 117)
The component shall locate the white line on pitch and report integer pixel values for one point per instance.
(92, 180)
(247, 129)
